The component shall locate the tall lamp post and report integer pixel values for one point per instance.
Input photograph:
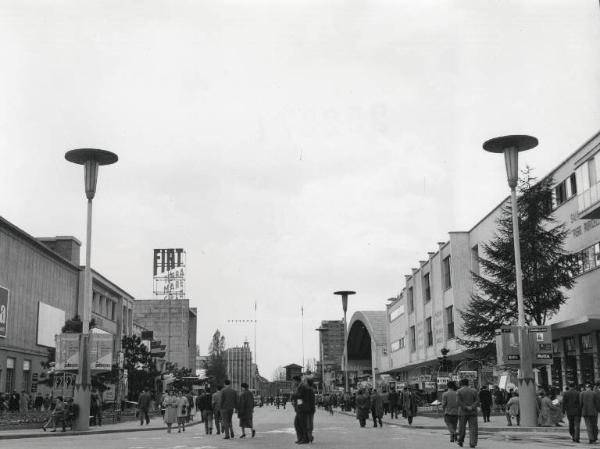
(91, 159)
(321, 330)
(511, 146)
(344, 294)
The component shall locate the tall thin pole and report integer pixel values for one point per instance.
(302, 331)
(255, 354)
(346, 351)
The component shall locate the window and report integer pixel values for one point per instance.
(426, 288)
(450, 322)
(397, 313)
(570, 344)
(475, 259)
(413, 341)
(588, 258)
(556, 346)
(429, 332)
(26, 386)
(10, 375)
(401, 341)
(586, 341)
(395, 345)
(565, 190)
(410, 300)
(446, 279)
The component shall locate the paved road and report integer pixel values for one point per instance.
(275, 430)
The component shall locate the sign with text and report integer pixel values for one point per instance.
(169, 273)
(101, 352)
(67, 352)
(538, 343)
(3, 311)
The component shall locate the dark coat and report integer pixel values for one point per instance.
(570, 404)
(377, 404)
(302, 398)
(409, 404)
(590, 403)
(144, 401)
(467, 400)
(245, 407)
(485, 398)
(363, 406)
(229, 398)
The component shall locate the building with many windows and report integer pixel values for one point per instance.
(41, 286)
(239, 366)
(424, 318)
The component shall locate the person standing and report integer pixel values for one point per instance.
(450, 408)
(467, 401)
(485, 399)
(96, 408)
(393, 398)
(547, 410)
(245, 410)
(363, 406)
(144, 406)
(376, 408)
(409, 404)
(572, 408)
(183, 407)
(204, 404)
(301, 404)
(512, 409)
(229, 398)
(216, 405)
(589, 406)
(169, 403)
(312, 407)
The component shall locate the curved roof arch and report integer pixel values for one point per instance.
(364, 326)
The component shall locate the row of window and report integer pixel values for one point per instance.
(426, 284)
(588, 258)
(585, 176)
(9, 384)
(449, 320)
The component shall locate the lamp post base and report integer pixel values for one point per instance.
(82, 399)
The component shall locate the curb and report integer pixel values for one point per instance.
(16, 436)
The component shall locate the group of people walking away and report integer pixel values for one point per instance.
(584, 404)
(460, 407)
(219, 407)
(371, 401)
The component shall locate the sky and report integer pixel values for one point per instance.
(292, 148)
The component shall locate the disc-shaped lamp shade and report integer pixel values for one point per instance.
(511, 146)
(91, 159)
(82, 155)
(344, 294)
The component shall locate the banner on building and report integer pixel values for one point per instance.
(101, 352)
(3, 311)
(67, 352)
(443, 381)
(169, 273)
(471, 375)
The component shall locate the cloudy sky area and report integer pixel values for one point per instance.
(293, 148)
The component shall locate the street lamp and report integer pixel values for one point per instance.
(321, 330)
(344, 294)
(511, 146)
(91, 159)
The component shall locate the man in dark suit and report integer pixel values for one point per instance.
(572, 408)
(590, 404)
(229, 400)
(467, 401)
(301, 399)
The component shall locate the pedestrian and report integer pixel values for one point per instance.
(204, 404)
(38, 402)
(393, 398)
(58, 415)
(589, 406)
(572, 408)
(144, 406)
(467, 401)
(229, 398)
(409, 404)
(546, 410)
(96, 408)
(485, 399)
(376, 408)
(363, 406)
(216, 405)
(23, 402)
(301, 400)
(169, 403)
(182, 411)
(190, 411)
(47, 402)
(311, 407)
(512, 409)
(450, 408)
(245, 410)
(71, 413)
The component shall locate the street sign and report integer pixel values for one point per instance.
(538, 343)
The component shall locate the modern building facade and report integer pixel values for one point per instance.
(41, 286)
(424, 318)
(239, 366)
(174, 324)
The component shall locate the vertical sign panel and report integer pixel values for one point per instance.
(3, 311)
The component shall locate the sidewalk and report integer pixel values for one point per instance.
(496, 424)
(156, 423)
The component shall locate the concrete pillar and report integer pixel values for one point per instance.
(563, 361)
(578, 357)
(595, 355)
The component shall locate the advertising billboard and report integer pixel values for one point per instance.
(169, 273)
(50, 321)
(67, 352)
(101, 352)
(3, 311)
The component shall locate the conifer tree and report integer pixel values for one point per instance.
(216, 364)
(547, 268)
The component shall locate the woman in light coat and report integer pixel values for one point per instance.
(183, 407)
(170, 405)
